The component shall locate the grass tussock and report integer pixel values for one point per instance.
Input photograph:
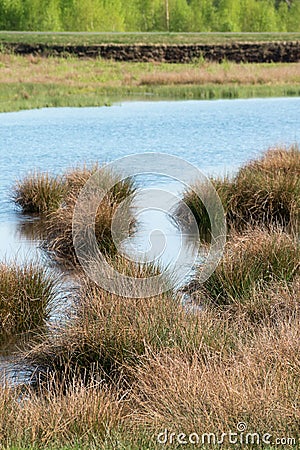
(44, 193)
(80, 417)
(251, 262)
(59, 232)
(39, 193)
(110, 332)
(258, 385)
(264, 192)
(60, 223)
(55, 198)
(26, 297)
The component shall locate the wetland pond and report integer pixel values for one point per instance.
(216, 136)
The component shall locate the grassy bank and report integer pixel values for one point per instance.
(33, 82)
(73, 38)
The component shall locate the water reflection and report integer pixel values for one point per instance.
(15, 245)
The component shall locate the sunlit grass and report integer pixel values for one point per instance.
(27, 293)
(55, 198)
(73, 38)
(252, 261)
(34, 82)
(39, 193)
(265, 192)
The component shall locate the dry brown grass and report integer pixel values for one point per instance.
(265, 192)
(252, 261)
(226, 73)
(81, 415)
(259, 385)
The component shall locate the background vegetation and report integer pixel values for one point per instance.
(151, 15)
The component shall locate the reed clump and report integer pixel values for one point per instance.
(252, 261)
(55, 198)
(39, 193)
(257, 385)
(110, 332)
(78, 417)
(27, 294)
(60, 223)
(264, 192)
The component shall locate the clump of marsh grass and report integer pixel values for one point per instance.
(111, 331)
(193, 197)
(264, 192)
(39, 193)
(78, 417)
(27, 293)
(252, 260)
(59, 227)
(58, 241)
(55, 197)
(258, 384)
(43, 193)
(267, 190)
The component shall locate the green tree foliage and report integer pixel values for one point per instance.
(150, 15)
(229, 13)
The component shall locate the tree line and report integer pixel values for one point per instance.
(151, 15)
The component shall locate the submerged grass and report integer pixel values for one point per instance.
(265, 192)
(27, 293)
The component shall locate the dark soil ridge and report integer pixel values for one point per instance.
(238, 52)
